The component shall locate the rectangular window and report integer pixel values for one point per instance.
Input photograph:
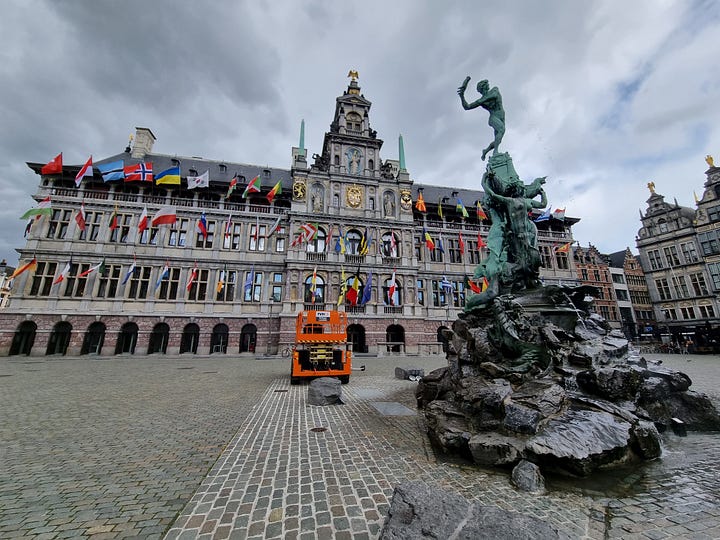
(545, 257)
(670, 314)
(618, 278)
(225, 289)
(706, 312)
(59, 222)
(231, 238)
(420, 291)
(121, 233)
(714, 213)
(257, 239)
(584, 274)
(663, 289)
(253, 291)
(75, 286)
(277, 288)
(436, 255)
(198, 289)
(714, 269)
(458, 294)
(205, 241)
(561, 261)
(596, 275)
(42, 279)
(92, 226)
(279, 245)
(419, 248)
(654, 258)
(177, 236)
(108, 282)
(139, 282)
(605, 312)
(622, 295)
(453, 247)
(170, 285)
(709, 243)
(680, 286)
(671, 256)
(697, 282)
(150, 236)
(687, 313)
(689, 253)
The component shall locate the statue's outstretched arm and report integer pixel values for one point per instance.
(542, 203)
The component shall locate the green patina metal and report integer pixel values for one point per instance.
(401, 153)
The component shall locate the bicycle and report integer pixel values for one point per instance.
(287, 351)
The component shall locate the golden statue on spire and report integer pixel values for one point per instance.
(651, 187)
(709, 160)
(353, 74)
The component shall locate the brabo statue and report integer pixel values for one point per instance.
(491, 101)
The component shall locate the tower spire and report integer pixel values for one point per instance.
(301, 144)
(401, 153)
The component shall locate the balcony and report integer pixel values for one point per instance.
(315, 256)
(354, 259)
(355, 310)
(392, 310)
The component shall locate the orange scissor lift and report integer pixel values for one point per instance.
(321, 348)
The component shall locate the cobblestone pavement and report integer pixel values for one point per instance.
(222, 447)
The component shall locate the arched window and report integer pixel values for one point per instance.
(127, 338)
(354, 291)
(94, 339)
(248, 336)
(371, 164)
(219, 339)
(336, 200)
(190, 338)
(395, 336)
(317, 243)
(390, 244)
(352, 242)
(353, 121)
(336, 160)
(59, 338)
(314, 289)
(392, 292)
(159, 338)
(23, 339)
(356, 336)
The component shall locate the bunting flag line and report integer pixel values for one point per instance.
(201, 181)
(170, 177)
(202, 225)
(544, 216)
(80, 217)
(165, 273)
(112, 171)
(460, 207)
(165, 216)
(253, 187)
(24, 268)
(392, 288)
(44, 208)
(420, 203)
(100, 268)
(276, 190)
(114, 219)
(63, 274)
(192, 278)
(232, 186)
(140, 172)
(428, 240)
(367, 290)
(130, 272)
(85, 170)
(53, 167)
(481, 215)
(343, 287)
(143, 221)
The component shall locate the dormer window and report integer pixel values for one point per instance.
(223, 167)
(353, 121)
(175, 162)
(192, 172)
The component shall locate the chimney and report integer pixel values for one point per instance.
(143, 143)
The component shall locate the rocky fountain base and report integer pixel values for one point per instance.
(534, 378)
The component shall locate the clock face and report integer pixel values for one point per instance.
(299, 190)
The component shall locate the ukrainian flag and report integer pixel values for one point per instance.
(169, 176)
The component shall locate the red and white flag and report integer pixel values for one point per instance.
(63, 274)
(392, 287)
(85, 170)
(165, 216)
(143, 223)
(228, 226)
(192, 278)
(142, 172)
(80, 217)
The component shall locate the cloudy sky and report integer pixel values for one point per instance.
(601, 97)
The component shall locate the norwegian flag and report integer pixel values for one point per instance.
(141, 172)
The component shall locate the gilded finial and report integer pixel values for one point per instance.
(353, 74)
(651, 187)
(709, 160)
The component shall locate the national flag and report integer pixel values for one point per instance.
(352, 294)
(480, 242)
(28, 227)
(112, 171)
(364, 247)
(485, 284)
(100, 267)
(140, 172)
(143, 221)
(29, 266)
(367, 290)
(80, 216)
(165, 273)
(221, 281)
(565, 248)
(309, 230)
(253, 187)
(193, 277)
(170, 177)
(328, 239)
(420, 203)
(130, 272)
(114, 219)
(228, 226)
(559, 213)
(460, 207)
(63, 274)
(256, 234)
(340, 242)
(544, 216)
(276, 190)
(165, 216)
(392, 288)
(440, 245)
(428, 240)
(231, 186)
(461, 243)
(440, 211)
(298, 240)
(85, 170)
(44, 208)
(393, 244)
(343, 287)
(474, 287)
(479, 211)
(249, 280)
(202, 225)
(54, 167)
(198, 181)
(275, 227)
(447, 287)
(313, 285)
